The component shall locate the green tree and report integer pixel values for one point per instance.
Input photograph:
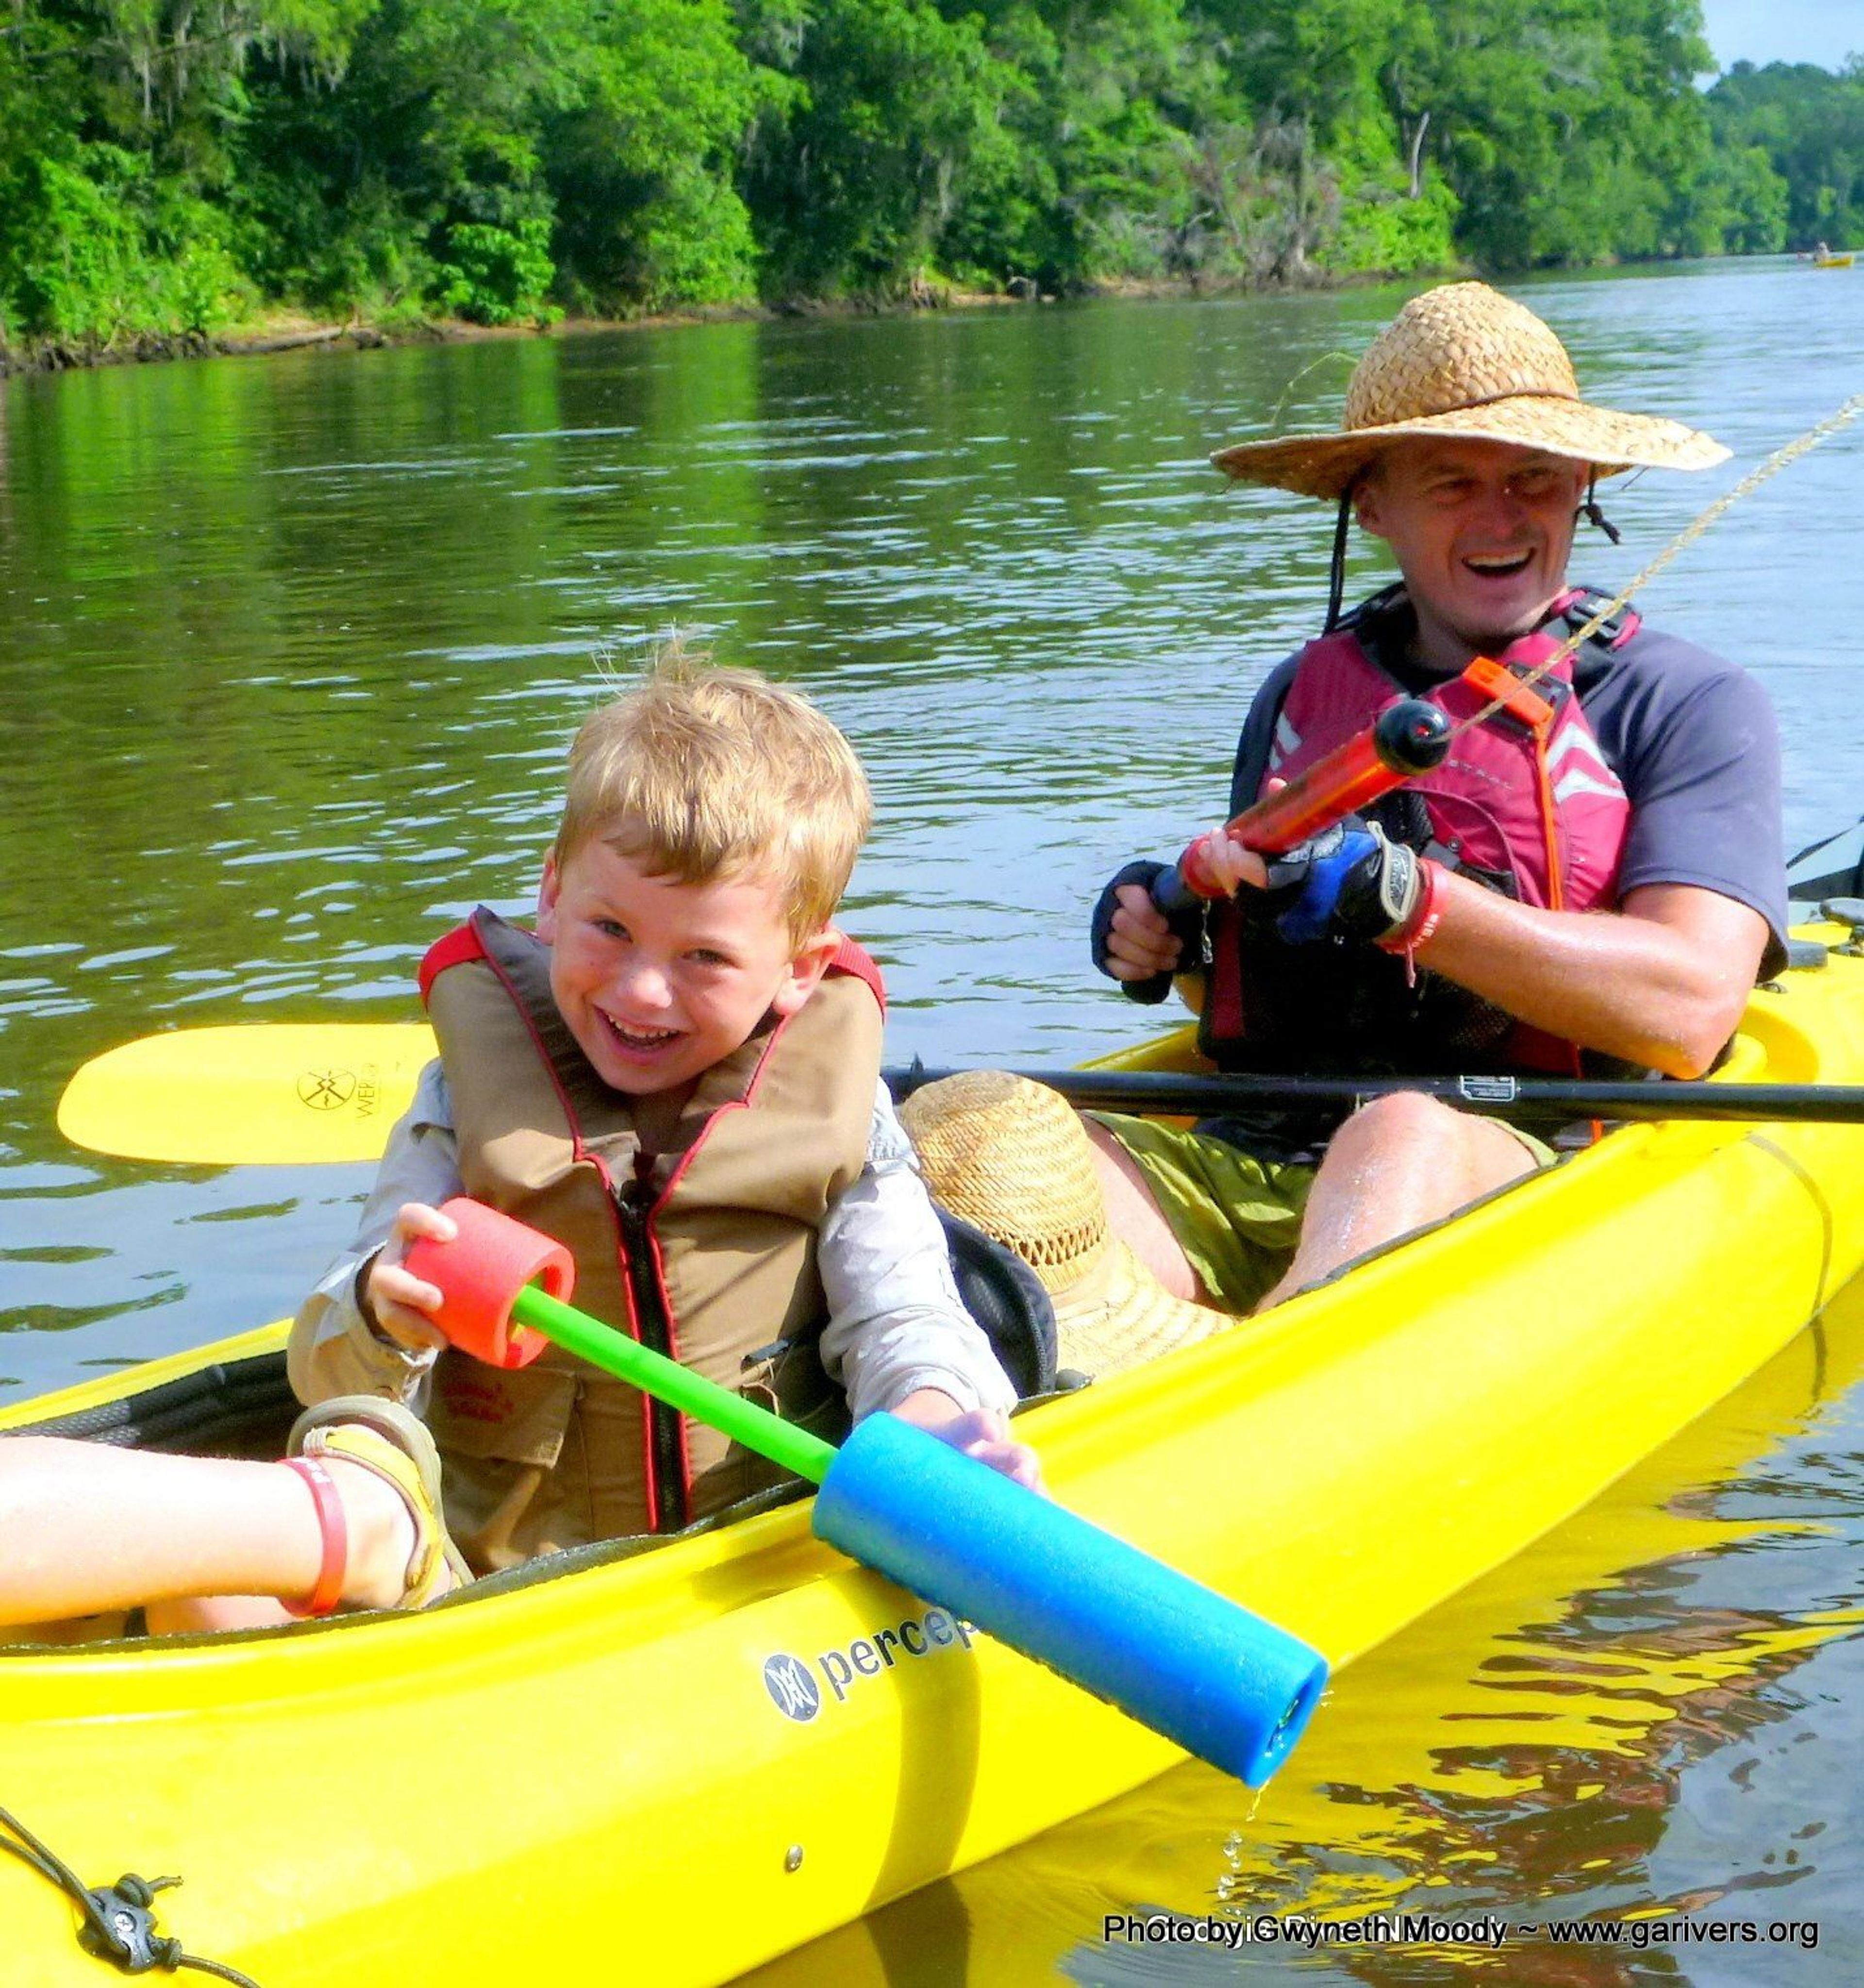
(1808, 122)
(855, 170)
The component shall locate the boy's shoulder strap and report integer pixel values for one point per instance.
(465, 942)
(462, 944)
(848, 958)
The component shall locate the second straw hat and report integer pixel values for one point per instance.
(1011, 1158)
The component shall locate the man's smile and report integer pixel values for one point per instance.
(1497, 566)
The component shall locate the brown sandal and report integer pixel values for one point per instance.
(386, 1440)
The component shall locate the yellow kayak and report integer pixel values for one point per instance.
(614, 1757)
(1832, 262)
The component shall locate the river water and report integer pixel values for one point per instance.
(292, 649)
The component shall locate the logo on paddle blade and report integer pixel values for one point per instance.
(326, 1090)
(792, 1690)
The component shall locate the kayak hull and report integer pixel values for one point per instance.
(706, 1755)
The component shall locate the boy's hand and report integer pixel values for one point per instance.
(984, 1433)
(398, 1305)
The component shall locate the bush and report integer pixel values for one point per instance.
(96, 253)
(499, 276)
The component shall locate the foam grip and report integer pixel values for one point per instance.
(1216, 1680)
(480, 1275)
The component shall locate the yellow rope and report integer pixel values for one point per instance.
(1790, 452)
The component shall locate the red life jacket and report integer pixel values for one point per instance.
(1525, 804)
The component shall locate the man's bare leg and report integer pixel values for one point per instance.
(1134, 1217)
(1398, 1164)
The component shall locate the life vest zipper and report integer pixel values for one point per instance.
(670, 1500)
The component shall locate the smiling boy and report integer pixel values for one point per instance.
(677, 1075)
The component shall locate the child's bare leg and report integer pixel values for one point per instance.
(85, 1526)
(198, 1614)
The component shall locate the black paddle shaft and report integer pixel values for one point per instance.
(1555, 1099)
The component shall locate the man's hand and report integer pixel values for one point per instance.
(1347, 883)
(1135, 943)
(1139, 942)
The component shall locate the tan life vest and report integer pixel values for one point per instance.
(705, 1251)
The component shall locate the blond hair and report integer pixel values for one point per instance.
(700, 773)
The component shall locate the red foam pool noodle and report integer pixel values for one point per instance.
(480, 1274)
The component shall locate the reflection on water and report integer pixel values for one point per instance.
(1650, 1713)
(292, 651)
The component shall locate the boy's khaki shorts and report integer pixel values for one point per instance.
(1236, 1217)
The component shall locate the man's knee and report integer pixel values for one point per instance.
(1409, 1127)
(1403, 1121)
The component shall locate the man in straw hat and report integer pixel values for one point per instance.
(1592, 882)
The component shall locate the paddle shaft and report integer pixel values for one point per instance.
(1555, 1099)
(257, 1094)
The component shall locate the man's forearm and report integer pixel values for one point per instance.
(1662, 982)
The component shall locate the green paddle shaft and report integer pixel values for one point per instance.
(692, 1394)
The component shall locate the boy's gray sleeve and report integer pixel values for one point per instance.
(896, 1323)
(333, 1350)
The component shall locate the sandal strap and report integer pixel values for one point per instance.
(335, 1531)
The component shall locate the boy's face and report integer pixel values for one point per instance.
(660, 980)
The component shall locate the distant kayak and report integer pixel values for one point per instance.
(1832, 262)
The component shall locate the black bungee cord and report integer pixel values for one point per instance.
(119, 1923)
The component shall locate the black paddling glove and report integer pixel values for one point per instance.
(1348, 884)
(1187, 927)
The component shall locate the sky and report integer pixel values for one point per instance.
(1824, 31)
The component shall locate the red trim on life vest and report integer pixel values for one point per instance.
(461, 944)
(466, 943)
(848, 958)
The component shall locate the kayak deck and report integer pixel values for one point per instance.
(485, 1792)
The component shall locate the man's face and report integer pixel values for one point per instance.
(1481, 530)
(659, 980)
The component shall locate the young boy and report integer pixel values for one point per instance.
(678, 1075)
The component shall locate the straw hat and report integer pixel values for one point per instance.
(1011, 1158)
(1465, 360)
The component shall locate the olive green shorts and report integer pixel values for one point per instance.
(1236, 1216)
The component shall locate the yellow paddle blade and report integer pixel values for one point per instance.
(259, 1094)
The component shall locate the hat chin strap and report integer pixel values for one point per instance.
(1590, 512)
(1336, 571)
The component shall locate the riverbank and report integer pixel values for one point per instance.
(291, 331)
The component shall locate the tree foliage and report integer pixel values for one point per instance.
(1805, 125)
(166, 166)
